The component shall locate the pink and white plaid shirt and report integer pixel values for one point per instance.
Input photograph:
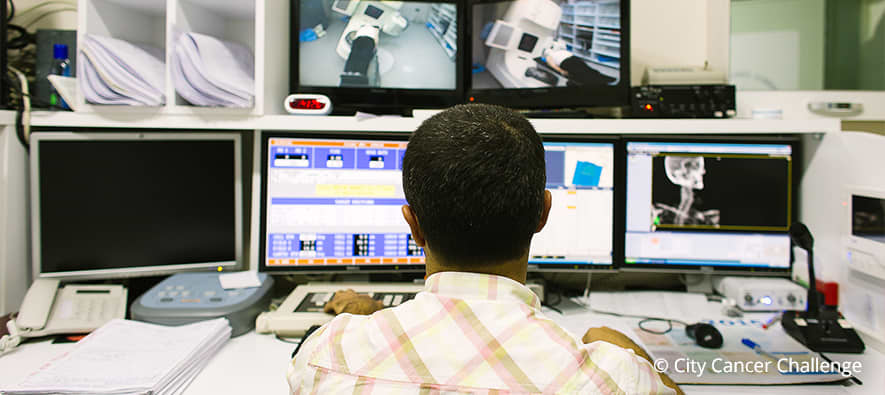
(465, 333)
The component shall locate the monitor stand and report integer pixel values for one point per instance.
(699, 283)
(352, 278)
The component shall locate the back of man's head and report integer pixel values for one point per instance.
(474, 177)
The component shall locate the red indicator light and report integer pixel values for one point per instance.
(648, 107)
(471, 98)
(307, 104)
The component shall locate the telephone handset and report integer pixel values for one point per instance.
(48, 309)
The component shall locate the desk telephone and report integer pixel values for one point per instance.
(49, 309)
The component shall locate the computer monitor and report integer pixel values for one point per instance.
(549, 53)
(109, 205)
(331, 203)
(581, 176)
(378, 56)
(709, 205)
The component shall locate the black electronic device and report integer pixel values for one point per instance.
(378, 56)
(821, 330)
(542, 54)
(705, 335)
(683, 101)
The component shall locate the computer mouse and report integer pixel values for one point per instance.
(705, 335)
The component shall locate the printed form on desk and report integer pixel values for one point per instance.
(688, 307)
(129, 357)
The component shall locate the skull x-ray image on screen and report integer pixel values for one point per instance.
(720, 192)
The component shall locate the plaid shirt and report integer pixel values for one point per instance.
(465, 333)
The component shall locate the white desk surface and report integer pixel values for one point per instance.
(257, 364)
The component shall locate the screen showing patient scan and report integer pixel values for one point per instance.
(710, 204)
(377, 44)
(521, 44)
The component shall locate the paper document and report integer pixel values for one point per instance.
(130, 357)
(207, 71)
(688, 307)
(247, 279)
(119, 72)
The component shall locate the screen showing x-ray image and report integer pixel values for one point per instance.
(868, 218)
(377, 44)
(720, 192)
(708, 204)
(524, 44)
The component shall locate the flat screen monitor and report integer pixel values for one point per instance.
(332, 203)
(549, 53)
(580, 228)
(108, 205)
(709, 205)
(380, 56)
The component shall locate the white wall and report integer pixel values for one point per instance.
(678, 33)
(14, 230)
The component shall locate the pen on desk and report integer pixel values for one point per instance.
(758, 349)
(771, 321)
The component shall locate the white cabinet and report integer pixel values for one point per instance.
(262, 26)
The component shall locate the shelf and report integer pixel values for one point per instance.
(261, 26)
(67, 119)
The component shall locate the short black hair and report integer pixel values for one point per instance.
(474, 175)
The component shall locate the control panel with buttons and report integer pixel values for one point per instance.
(683, 101)
(188, 297)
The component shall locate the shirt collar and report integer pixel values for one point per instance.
(465, 285)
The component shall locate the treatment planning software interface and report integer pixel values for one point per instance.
(580, 176)
(711, 204)
(336, 202)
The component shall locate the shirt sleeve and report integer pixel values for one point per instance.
(628, 371)
(299, 374)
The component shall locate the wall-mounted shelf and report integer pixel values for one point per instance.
(399, 124)
(261, 26)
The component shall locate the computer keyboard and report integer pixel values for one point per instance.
(315, 301)
(303, 307)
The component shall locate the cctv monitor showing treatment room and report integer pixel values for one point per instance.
(377, 53)
(549, 53)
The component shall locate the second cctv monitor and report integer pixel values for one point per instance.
(549, 53)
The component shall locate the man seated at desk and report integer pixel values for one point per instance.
(474, 178)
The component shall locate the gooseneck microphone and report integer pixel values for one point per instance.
(802, 237)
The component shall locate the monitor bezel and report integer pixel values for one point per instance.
(617, 207)
(348, 100)
(796, 147)
(95, 136)
(262, 202)
(550, 98)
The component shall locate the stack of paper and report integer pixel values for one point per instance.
(125, 357)
(211, 72)
(114, 71)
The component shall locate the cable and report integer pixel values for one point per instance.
(23, 114)
(41, 16)
(11, 10)
(42, 4)
(12, 340)
(645, 319)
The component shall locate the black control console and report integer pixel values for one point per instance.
(683, 101)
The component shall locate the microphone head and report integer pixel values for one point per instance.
(800, 235)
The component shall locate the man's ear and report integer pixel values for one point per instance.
(412, 220)
(548, 202)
